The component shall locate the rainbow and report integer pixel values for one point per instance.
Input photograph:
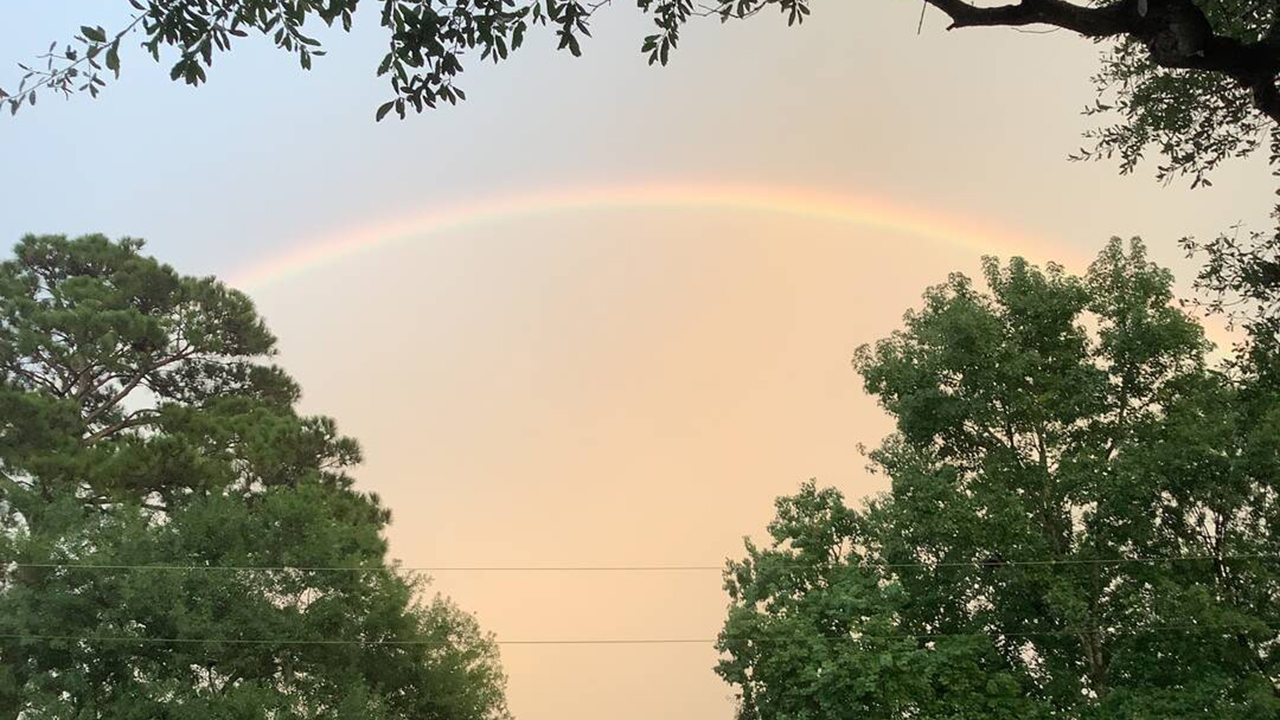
(858, 210)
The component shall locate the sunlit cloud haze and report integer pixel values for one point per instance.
(601, 313)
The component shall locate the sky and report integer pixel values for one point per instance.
(600, 313)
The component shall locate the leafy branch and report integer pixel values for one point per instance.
(65, 71)
(1194, 79)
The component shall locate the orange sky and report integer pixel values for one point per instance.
(630, 387)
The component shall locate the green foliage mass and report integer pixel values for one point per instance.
(1053, 436)
(141, 425)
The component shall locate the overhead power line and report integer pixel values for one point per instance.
(994, 563)
(341, 641)
(1066, 632)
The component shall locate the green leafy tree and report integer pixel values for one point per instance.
(1056, 436)
(152, 465)
(1196, 79)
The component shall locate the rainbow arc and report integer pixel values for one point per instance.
(857, 210)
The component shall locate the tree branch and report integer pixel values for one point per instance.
(137, 419)
(59, 79)
(1176, 33)
(1088, 21)
(134, 381)
(34, 378)
(1266, 97)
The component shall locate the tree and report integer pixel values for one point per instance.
(813, 633)
(1081, 523)
(155, 478)
(1194, 78)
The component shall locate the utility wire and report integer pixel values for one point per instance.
(322, 641)
(632, 568)
(1190, 627)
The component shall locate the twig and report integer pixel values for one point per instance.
(50, 75)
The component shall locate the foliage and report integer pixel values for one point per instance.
(1193, 119)
(1240, 279)
(1054, 437)
(1194, 79)
(140, 426)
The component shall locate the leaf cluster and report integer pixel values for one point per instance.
(427, 39)
(1194, 120)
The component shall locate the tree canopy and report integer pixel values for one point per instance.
(1194, 79)
(176, 540)
(1082, 520)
